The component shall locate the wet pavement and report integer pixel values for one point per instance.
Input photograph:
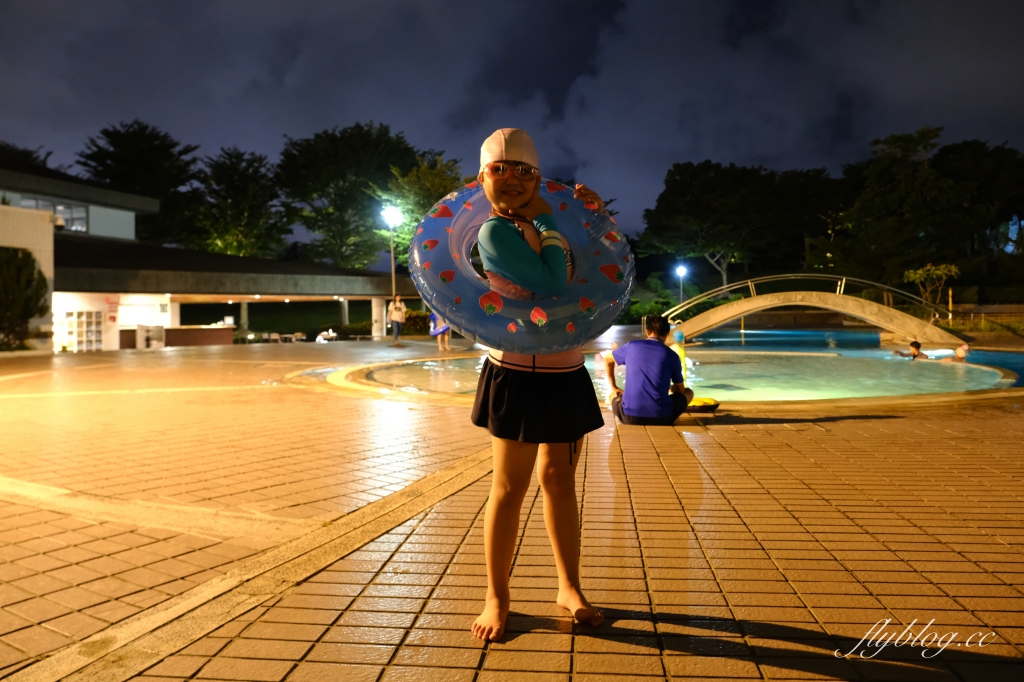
(191, 515)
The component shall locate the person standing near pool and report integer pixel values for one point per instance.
(396, 316)
(536, 407)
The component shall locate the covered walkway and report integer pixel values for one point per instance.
(99, 274)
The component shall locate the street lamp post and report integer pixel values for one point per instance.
(393, 217)
(680, 273)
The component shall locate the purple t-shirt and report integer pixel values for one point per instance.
(651, 369)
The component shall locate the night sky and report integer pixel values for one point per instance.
(614, 91)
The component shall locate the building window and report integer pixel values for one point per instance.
(76, 216)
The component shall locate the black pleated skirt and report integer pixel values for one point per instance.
(536, 407)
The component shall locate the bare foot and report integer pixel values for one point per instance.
(573, 601)
(491, 622)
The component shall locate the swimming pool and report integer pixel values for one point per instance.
(761, 366)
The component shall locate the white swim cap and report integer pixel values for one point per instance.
(509, 144)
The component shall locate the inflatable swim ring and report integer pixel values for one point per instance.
(441, 259)
(437, 325)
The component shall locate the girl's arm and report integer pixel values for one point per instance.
(505, 252)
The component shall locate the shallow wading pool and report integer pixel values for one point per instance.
(762, 366)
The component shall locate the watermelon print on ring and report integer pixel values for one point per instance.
(603, 275)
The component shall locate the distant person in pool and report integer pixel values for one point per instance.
(914, 353)
(652, 371)
(959, 355)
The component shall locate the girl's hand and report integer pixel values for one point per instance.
(589, 197)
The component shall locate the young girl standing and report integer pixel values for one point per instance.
(536, 407)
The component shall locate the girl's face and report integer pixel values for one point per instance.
(510, 192)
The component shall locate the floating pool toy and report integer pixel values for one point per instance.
(702, 405)
(437, 326)
(441, 258)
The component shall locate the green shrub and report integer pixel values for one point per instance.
(23, 295)
(634, 313)
(417, 323)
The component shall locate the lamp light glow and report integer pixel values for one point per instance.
(392, 215)
(680, 273)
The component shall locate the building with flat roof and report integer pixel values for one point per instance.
(105, 284)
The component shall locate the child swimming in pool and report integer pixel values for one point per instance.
(536, 407)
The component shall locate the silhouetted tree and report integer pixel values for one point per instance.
(994, 179)
(710, 210)
(21, 159)
(142, 159)
(327, 181)
(240, 214)
(414, 193)
(907, 215)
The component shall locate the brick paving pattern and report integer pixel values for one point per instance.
(260, 449)
(752, 548)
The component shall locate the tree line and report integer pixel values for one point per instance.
(333, 183)
(911, 204)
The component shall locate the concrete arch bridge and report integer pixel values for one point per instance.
(905, 327)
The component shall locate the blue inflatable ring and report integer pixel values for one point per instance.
(602, 271)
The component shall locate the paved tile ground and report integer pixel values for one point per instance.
(209, 428)
(751, 548)
(220, 431)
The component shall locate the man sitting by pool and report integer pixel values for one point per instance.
(652, 370)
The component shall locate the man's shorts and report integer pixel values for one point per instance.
(678, 407)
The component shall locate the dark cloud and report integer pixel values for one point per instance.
(614, 91)
(748, 18)
(543, 49)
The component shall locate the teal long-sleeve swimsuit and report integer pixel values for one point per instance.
(505, 251)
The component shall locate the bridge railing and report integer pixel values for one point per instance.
(920, 306)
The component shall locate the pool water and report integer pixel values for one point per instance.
(762, 366)
(849, 343)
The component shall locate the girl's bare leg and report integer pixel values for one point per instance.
(513, 465)
(557, 479)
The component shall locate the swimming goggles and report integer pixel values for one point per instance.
(523, 171)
